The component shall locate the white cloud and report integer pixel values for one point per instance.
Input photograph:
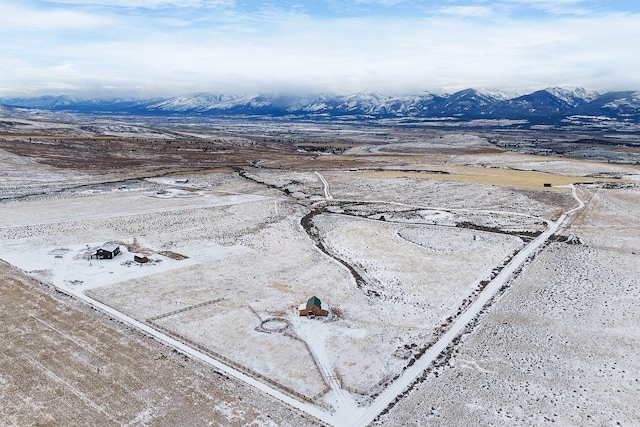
(148, 3)
(167, 53)
(467, 11)
(18, 18)
(381, 2)
(558, 7)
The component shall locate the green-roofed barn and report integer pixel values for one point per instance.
(314, 308)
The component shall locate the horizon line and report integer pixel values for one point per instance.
(510, 94)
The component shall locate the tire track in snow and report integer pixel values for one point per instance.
(315, 336)
(327, 194)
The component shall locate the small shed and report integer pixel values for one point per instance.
(314, 308)
(107, 251)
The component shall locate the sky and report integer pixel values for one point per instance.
(159, 48)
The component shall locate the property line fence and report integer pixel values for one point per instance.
(234, 365)
(317, 362)
(182, 310)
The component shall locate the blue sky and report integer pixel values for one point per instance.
(142, 48)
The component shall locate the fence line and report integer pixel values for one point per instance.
(182, 310)
(233, 364)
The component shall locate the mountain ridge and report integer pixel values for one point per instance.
(550, 105)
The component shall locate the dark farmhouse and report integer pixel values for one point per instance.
(313, 308)
(107, 251)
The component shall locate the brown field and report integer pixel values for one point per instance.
(64, 364)
(517, 179)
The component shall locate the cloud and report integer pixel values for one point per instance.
(176, 51)
(150, 4)
(467, 11)
(557, 7)
(18, 18)
(381, 2)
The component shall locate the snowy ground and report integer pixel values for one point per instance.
(397, 255)
(237, 253)
(62, 363)
(560, 345)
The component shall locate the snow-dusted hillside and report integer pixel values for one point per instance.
(550, 105)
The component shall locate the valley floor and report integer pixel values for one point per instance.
(398, 245)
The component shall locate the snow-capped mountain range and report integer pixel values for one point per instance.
(551, 105)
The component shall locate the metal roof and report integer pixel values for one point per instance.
(109, 247)
(314, 300)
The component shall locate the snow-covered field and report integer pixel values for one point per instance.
(237, 253)
(396, 254)
(560, 346)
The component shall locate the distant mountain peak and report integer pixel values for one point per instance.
(550, 105)
(573, 95)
